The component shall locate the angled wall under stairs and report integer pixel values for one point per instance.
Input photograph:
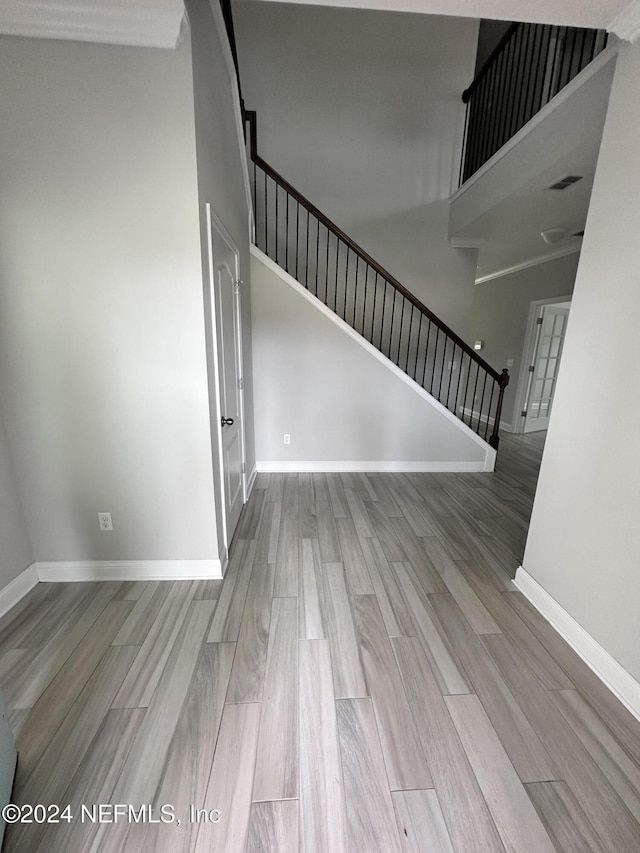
(344, 404)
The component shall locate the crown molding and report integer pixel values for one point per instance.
(125, 22)
(532, 262)
(626, 24)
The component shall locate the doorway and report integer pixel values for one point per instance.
(227, 409)
(541, 362)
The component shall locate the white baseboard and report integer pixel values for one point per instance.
(18, 588)
(251, 481)
(617, 679)
(370, 467)
(105, 570)
(129, 570)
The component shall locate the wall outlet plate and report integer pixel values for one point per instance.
(287, 438)
(104, 520)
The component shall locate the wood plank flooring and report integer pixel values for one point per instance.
(366, 679)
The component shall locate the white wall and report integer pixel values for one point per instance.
(584, 538)
(102, 347)
(362, 112)
(363, 413)
(501, 310)
(221, 173)
(15, 550)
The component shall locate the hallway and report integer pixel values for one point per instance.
(366, 678)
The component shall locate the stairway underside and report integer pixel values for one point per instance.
(345, 405)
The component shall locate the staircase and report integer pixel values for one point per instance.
(291, 231)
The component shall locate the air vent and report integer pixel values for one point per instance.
(563, 183)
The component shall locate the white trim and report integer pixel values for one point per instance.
(16, 589)
(345, 466)
(345, 327)
(251, 480)
(532, 262)
(490, 460)
(626, 24)
(216, 11)
(467, 242)
(94, 34)
(212, 219)
(136, 24)
(597, 658)
(569, 90)
(129, 570)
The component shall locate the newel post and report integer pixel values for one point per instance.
(494, 440)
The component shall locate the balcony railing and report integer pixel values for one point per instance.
(527, 68)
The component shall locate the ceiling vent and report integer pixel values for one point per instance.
(563, 183)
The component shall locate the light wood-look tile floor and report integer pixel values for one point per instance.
(365, 679)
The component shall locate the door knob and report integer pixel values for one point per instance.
(226, 421)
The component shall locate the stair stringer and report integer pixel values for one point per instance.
(439, 426)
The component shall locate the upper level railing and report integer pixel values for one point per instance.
(321, 257)
(529, 66)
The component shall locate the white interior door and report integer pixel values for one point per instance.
(225, 299)
(551, 329)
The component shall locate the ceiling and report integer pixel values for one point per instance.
(514, 227)
(621, 17)
(157, 23)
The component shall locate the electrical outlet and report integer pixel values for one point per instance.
(509, 362)
(287, 438)
(104, 520)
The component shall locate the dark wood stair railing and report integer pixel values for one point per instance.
(319, 255)
(527, 68)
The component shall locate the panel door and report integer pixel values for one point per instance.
(226, 303)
